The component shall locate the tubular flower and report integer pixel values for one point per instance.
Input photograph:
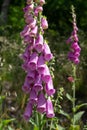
(75, 49)
(38, 81)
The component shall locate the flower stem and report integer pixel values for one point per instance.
(74, 89)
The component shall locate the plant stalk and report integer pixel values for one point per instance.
(74, 91)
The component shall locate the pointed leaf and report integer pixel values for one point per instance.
(60, 128)
(77, 117)
(69, 97)
(79, 106)
(74, 127)
(64, 114)
(36, 128)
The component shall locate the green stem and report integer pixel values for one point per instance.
(74, 89)
(40, 121)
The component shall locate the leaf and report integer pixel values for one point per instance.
(69, 97)
(74, 127)
(60, 128)
(77, 107)
(36, 128)
(77, 117)
(9, 128)
(32, 122)
(6, 122)
(64, 114)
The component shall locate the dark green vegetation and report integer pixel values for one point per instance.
(58, 13)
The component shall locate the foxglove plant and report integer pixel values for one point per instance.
(73, 39)
(38, 81)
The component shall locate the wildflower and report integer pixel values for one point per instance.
(49, 109)
(38, 80)
(75, 49)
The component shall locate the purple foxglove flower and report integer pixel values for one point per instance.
(76, 38)
(38, 83)
(26, 87)
(33, 96)
(37, 10)
(34, 31)
(71, 56)
(42, 2)
(49, 109)
(25, 66)
(76, 61)
(74, 45)
(49, 88)
(41, 64)
(41, 106)
(28, 8)
(44, 23)
(47, 53)
(33, 23)
(26, 55)
(30, 76)
(78, 49)
(77, 54)
(28, 39)
(26, 29)
(39, 43)
(46, 77)
(28, 18)
(28, 111)
(32, 64)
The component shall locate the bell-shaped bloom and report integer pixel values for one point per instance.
(41, 64)
(49, 109)
(49, 88)
(39, 43)
(76, 61)
(30, 76)
(25, 55)
(47, 53)
(37, 10)
(46, 77)
(25, 66)
(77, 54)
(33, 96)
(44, 23)
(28, 8)
(28, 18)
(38, 83)
(34, 31)
(28, 111)
(26, 87)
(32, 64)
(33, 23)
(28, 39)
(42, 2)
(25, 31)
(41, 106)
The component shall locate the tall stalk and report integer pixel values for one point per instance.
(74, 90)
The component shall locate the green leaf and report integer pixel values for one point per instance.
(64, 114)
(69, 97)
(77, 107)
(36, 128)
(6, 122)
(74, 127)
(60, 128)
(9, 128)
(77, 117)
(32, 122)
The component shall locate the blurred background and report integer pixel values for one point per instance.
(58, 13)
